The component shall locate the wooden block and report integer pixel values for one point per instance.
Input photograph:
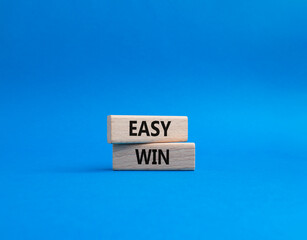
(154, 156)
(146, 129)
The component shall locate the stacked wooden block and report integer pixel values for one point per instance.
(150, 143)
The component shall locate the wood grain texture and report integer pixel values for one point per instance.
(154, 156)
(147, 129)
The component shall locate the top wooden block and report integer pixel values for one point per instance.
(147, 129)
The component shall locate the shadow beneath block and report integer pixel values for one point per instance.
(62, 169)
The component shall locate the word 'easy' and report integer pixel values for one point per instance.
(144, 129)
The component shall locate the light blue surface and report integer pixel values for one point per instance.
(237, 69)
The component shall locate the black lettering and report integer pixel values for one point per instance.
(161, 154)
(143, 154)
(154, 156)
(165, 127)
(155, 128)
(131, 128)
(144, 129)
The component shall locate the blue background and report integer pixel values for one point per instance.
(237, 69)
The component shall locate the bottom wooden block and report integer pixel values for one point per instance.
(154, 156)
